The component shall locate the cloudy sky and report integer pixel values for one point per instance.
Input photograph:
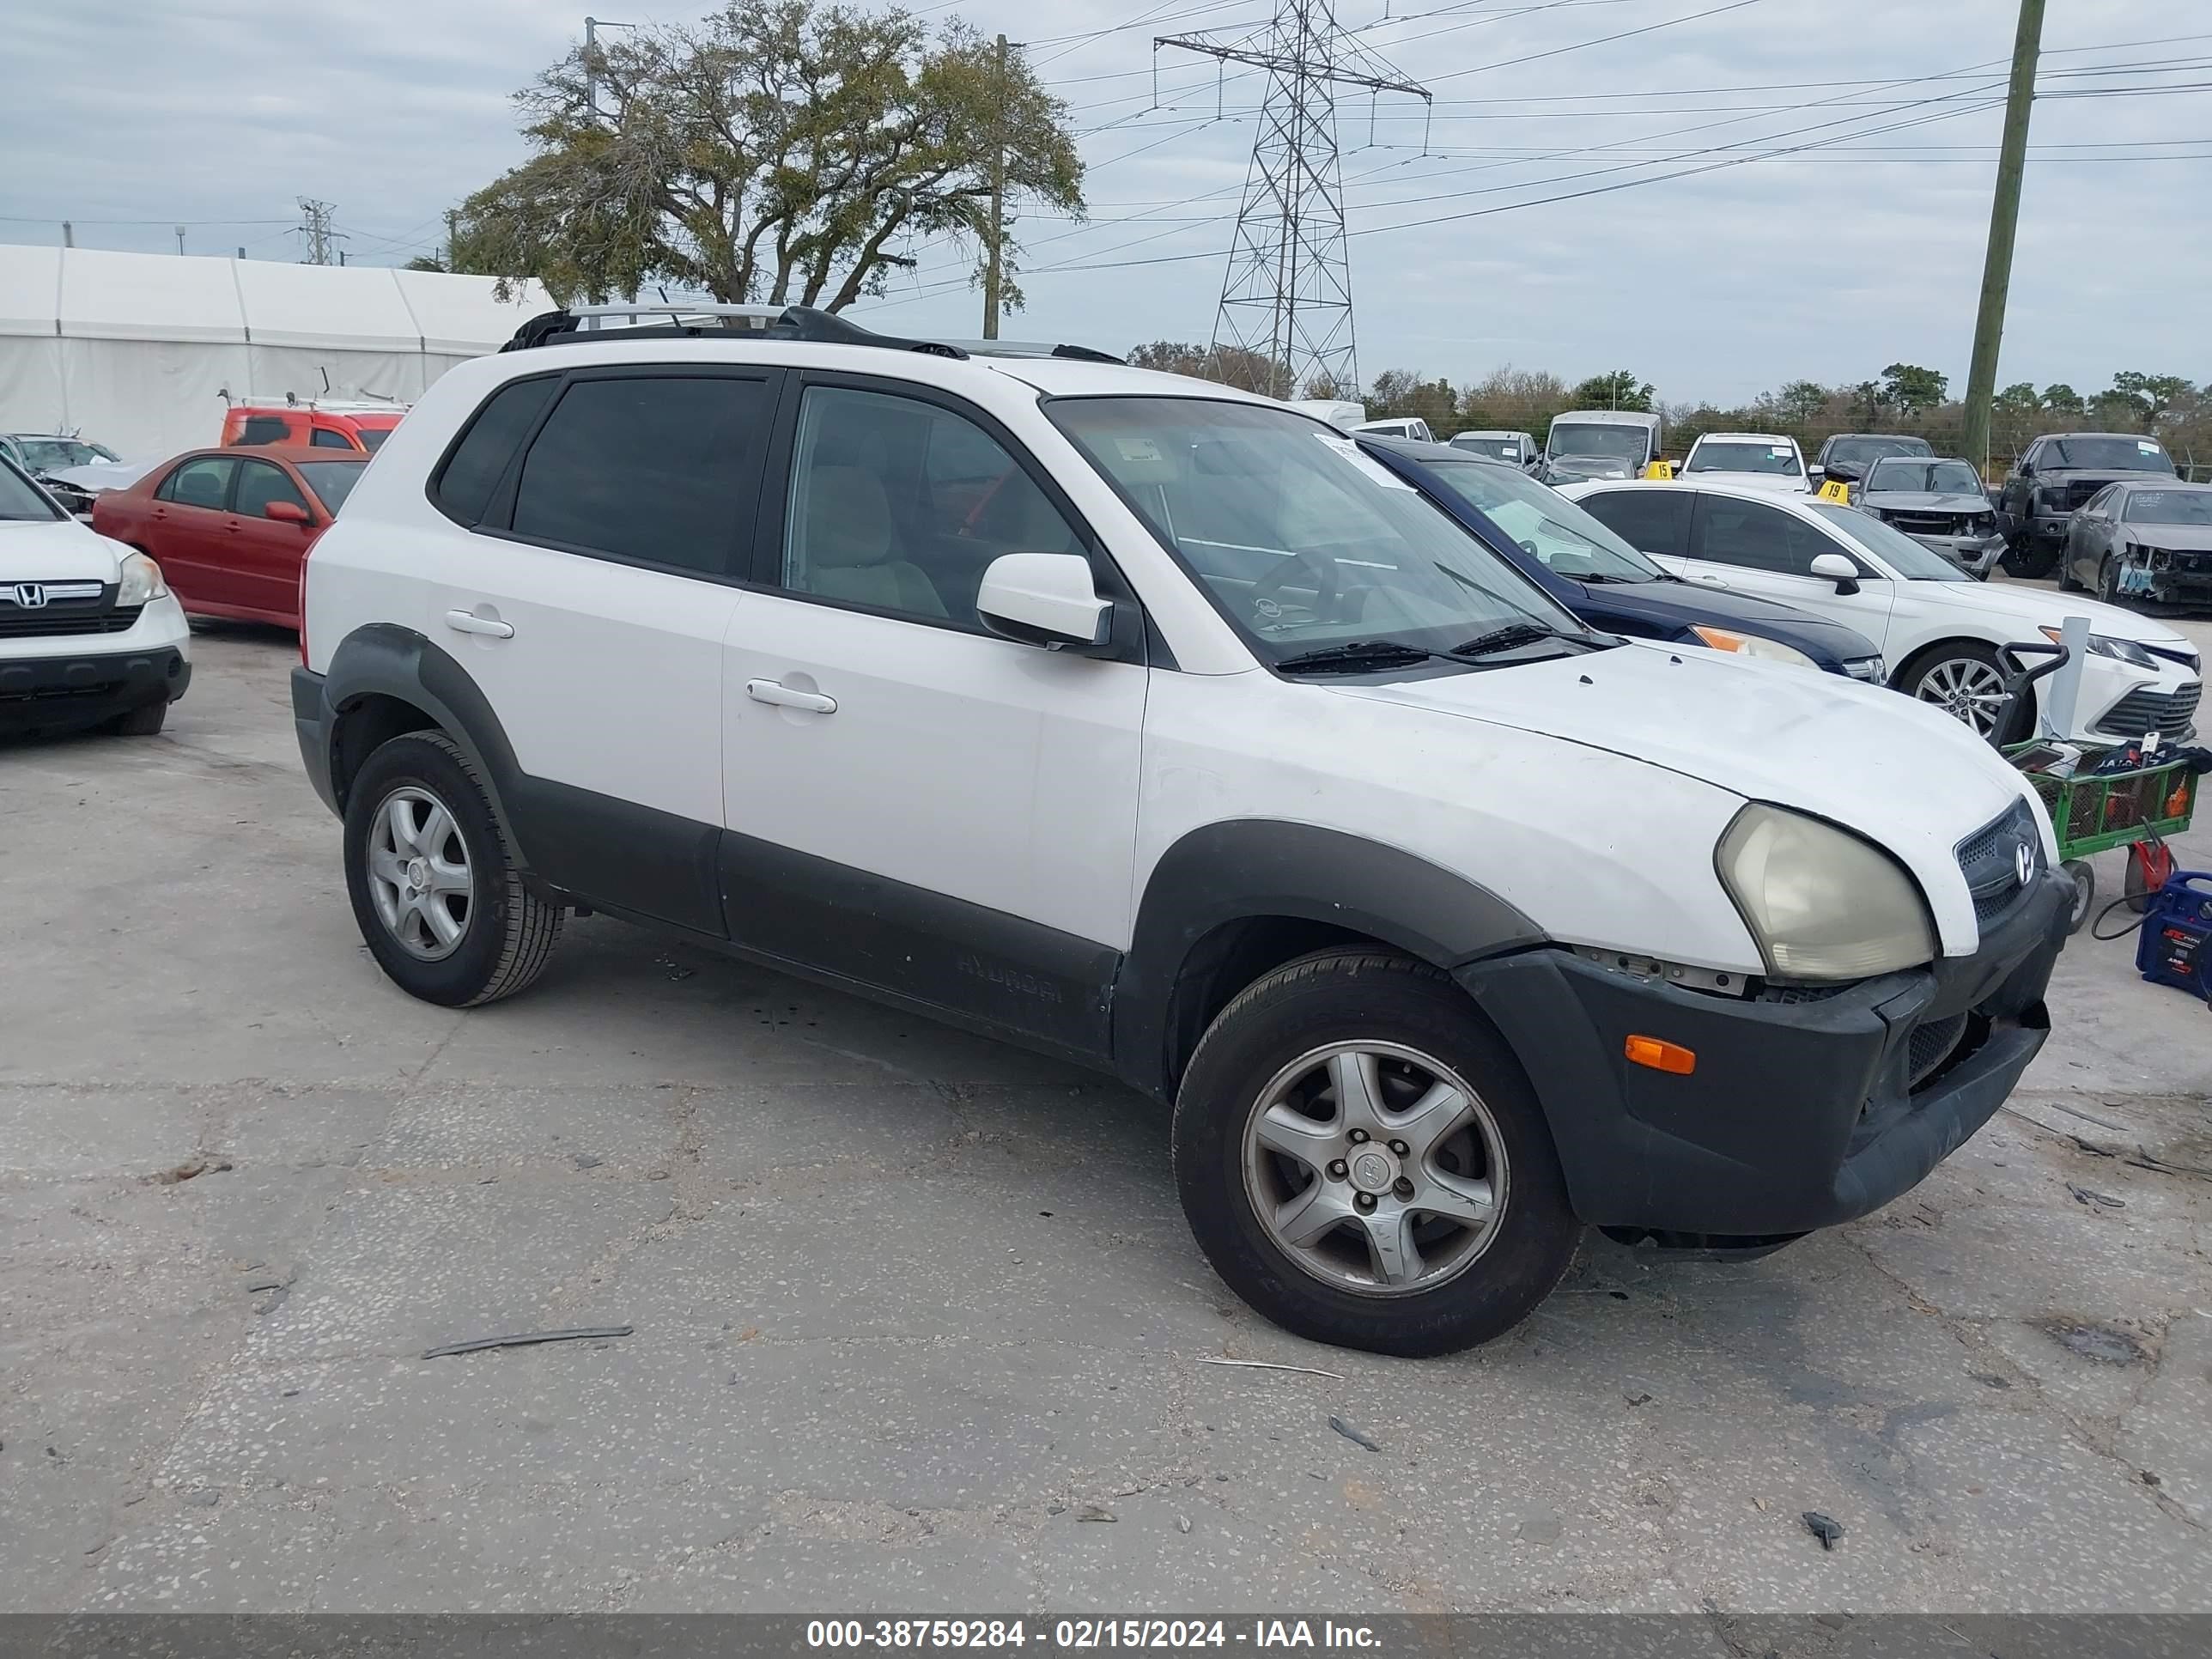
(1842, 232)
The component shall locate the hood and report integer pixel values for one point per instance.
(2042, 607)
(1900, 772)
(1589, 467)
(1926, 500)
(1780, 483)
(2077, 475)
(2173, 537)
(1685, 603)
(97, 476)
(63, 550)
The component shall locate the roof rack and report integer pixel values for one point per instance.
(708, 319)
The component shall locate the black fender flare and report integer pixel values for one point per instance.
(1246, 868)
(385, 659)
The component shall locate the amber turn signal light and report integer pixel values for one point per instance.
(1660, 1056)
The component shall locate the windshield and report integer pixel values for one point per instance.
(2169, 506)
(51, 455)
(1897, 549)
(1761, 457)
(1498, 449)
(1545, 524)
(332, 481)
(372, 437)
(1301, 539)
(21, 499)
(2118, 454)
(1932, 477)
(1857, 451)
(1624, 444)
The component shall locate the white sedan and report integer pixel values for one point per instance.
(1755, 460)
(1938, 628)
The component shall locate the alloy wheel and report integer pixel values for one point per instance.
(1375, 1168)
(418, 873)
(1965, 688)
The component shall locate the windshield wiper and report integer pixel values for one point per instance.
(1511, 634)
(1355, 657)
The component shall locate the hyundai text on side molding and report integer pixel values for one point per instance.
(1158, 727)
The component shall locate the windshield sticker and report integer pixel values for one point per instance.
(1778, 453)
(1138, 449)
(1366, 463)
(2147, 446)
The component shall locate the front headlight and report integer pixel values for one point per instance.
(1823, 904)
(1752, 644)
(2106, 645)
(142, 581)
(1872, 670)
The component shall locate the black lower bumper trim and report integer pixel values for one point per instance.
(1798, 1115)
(61, 693)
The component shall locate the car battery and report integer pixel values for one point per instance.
(2175, 946)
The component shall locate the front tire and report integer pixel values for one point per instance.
(2068, 582)
(145, 721)
(1362, 1160)
(435, 887)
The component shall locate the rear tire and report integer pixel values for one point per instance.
(1332, 1248)
(435, 887)
(143, 721)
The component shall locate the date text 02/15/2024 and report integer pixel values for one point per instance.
(1080, 1634)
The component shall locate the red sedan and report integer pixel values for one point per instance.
(231, 530)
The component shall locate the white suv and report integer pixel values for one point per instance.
(1157, 727)
(90, 635)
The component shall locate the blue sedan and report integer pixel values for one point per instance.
(1604, 581)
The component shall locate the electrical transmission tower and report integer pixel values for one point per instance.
(1287, 295)
(322, 241)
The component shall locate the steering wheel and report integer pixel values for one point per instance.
(1328, 584)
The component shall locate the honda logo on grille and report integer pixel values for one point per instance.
(32, 596)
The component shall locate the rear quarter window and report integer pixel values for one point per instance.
(463, 486)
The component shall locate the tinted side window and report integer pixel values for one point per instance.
(324, 438)
(479, 461)
(1649, 520)
(203, 483)
(263, 430)
(649, 467)
(1756, 536)
(260, 483)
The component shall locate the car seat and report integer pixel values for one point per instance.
(850, 550)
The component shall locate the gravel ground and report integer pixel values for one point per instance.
(917, 1323)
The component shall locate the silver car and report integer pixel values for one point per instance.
(1940, 504)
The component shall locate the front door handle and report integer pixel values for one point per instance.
(785, 696)
(467, 621)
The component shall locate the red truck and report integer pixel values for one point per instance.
(357, 426)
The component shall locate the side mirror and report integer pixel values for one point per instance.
(287, 513)
(1044, 598)
(1835, 568)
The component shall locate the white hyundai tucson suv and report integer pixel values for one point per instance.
(90, 636)
(1156, 726)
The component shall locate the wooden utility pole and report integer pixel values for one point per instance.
(993, 270)
(2004, 223)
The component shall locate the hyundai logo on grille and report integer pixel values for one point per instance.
(2023, 862)
(32, 596)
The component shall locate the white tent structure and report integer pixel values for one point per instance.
(134, 350)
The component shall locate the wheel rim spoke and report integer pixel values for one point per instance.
(400, 815)
(1431, 1119)
(1312, 1142)
(1357, 1081)
(1306, 1220)
(1455, 1198)
(1390, 1242)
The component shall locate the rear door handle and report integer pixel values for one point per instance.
(784, 696)
(467, 621)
